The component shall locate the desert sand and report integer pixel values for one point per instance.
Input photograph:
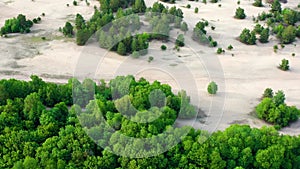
(242, 78)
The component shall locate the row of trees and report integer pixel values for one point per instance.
(17, 25)
(33, 136)
(114, 32)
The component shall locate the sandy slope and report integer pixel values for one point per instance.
(241, 78)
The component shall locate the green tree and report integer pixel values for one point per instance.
(139, 6)
(240, 13)
(248, 37)
(288, 35)
(284, 65)
(180, 40)
(121, 49)
(212, 88)
(68, 29)
(258, 3)
(264, 36)
(276, 6)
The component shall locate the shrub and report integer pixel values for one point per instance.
(220, 50)
(258, 3)
(150, 59)
(248, 37)
(240, 13)
(288, 35)
(135, 54)
(284, 65)
(212, 88)
(268, 93)
(264, 35)
(163, 47)
(275, 111)
(75, 3)
(180, 40)
(196, 10)
(214, 1)
(188, 6)
(230, 47)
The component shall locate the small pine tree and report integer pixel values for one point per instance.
(212, 88)
(284, 65)
(240, 13)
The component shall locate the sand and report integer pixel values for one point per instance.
(242, 78)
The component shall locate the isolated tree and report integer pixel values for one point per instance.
(284, 65)
(68, 29)
(212, 88)
(240, 13)
(180, 40)
(184, 27)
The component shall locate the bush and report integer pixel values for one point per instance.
(68, 29)
(240, 13)
(75, 3)
(275, 111)
(230, 47)
(258, 3)
(248, 37)
(188, 6)
(196, 10)
(212, 88)
(16, 25)
(163, 47)
(220, 50)
(288, 35)
(135, 54)
(284, 65)
(180, 40)
(264, 36)
(214, 1)
(150, 59)
(268, 93)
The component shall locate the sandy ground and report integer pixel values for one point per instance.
(242, 78)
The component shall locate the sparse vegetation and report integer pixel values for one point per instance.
(284, 65)
(230, 47)
(212, 88)
(163, 47)
(240, 13)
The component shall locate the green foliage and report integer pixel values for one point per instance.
(58, 139)
(180, 40)
(276, 6)
(17, 25)
(288, 35)
(199, 34)
(184, 27)
(268, 93)
(139, 6)
(68, 29)
(220, 51)
(212, 88)
(196, 10)
(150, 59)
(75, 3)
(258, 3)
(163, 47)
(284, 65)
(274, 110)
(264, 35)
(230, 47)
(248, 37)
(214, 1)
(240, 13)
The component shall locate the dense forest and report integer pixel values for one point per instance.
(41, 127)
